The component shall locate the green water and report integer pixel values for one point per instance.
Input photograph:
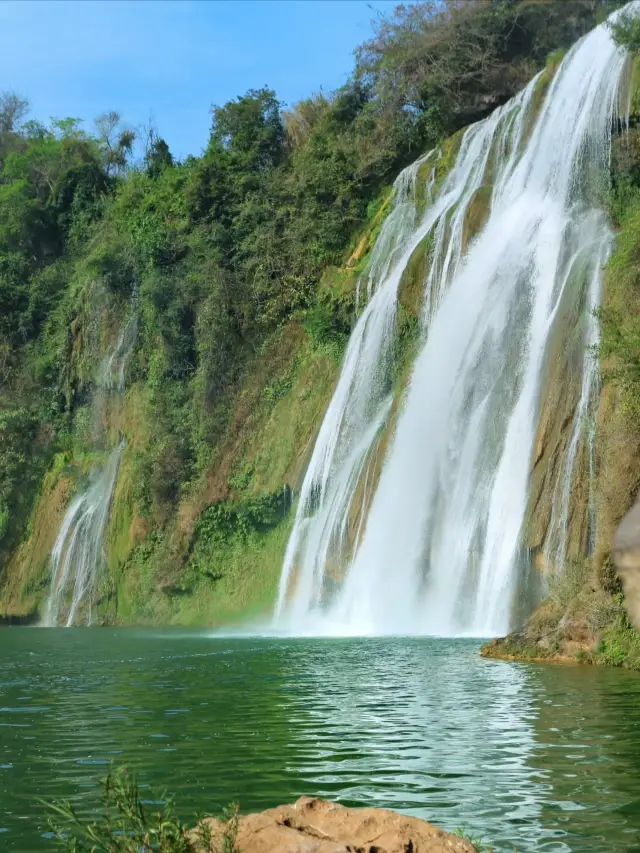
(544, 758)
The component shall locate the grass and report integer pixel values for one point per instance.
(480, 846)
(126, 826)
(619, 644)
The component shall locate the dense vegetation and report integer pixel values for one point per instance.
(219, 257)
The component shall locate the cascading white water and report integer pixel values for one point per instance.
(555, 548)
(114, 364)
(78, 552)
(440, 549)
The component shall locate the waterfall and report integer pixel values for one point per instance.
(78, 552)
(438, 547)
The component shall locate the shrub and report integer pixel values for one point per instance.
(125, 826)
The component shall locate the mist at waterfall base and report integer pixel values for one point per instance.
(438, 546)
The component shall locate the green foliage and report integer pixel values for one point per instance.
(608, 576)
(126, 826)
(280, 387)
(24, 449)
(223, 520)
(584, 607)
(620, 642)
(158, 158)
(480, 846)
(626, 32)
(324, 328)
(620, 321)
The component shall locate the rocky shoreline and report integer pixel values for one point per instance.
(520, 647)
(596, 622)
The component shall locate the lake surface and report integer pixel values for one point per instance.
(546, 758)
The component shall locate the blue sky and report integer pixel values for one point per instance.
(172, 60)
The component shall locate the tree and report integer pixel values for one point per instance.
(626, 32)
(158, 158)
(13, 109)
(250, 129)
(115, 141)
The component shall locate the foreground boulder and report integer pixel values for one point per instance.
(318, 826)
(626, 555)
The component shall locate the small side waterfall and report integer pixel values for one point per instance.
(78, 552)
(439, 550)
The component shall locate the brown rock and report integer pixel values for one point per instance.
(318, 826)
(626, 555)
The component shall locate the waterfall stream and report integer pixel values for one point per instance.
(78, 552)
(439, 543)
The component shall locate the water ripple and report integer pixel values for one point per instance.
(540, 758)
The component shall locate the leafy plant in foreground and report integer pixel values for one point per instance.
(125, 826)
(479, 845)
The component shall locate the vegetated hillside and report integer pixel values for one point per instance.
(241, 267)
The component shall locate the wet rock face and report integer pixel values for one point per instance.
(318, 826)
(626, 555)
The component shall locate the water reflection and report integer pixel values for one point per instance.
(546, 758)
(588, 730)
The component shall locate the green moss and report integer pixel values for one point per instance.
(447, 158)
(275, 452)
(232, 575)
(414, 277)
(477, 214)
(516, 647)
(118, 542)
(542, 87)
(634, 92)
(377, 212)
(423, 179)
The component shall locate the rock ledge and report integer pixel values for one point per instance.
(318, 826)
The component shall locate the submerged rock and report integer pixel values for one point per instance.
(626, 554)
(318, 826)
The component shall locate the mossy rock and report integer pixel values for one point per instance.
(448, 156)
(412, 282)
(477, 214)
(634, 83)
(377, 213)
(542, 87)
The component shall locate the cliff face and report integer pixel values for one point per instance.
(217, 549)
(214, 550)
(584, 615)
